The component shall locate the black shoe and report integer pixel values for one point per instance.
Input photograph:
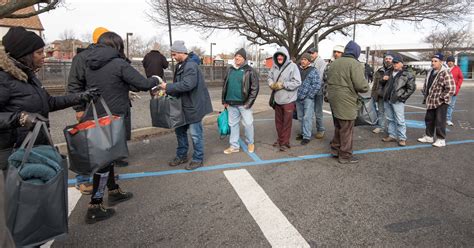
(177, 161)
(121, 163)
(304, 142)
(118, 196)
(193, 165)
(351, 160)
(299, 137)
(97, 212)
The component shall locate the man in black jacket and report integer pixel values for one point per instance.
(397, 89)
(239, 92)
(154, 62)
(377, 91)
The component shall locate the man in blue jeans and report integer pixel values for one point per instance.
(239, 91)
(311, 84)
(320, 65)
(189, 85)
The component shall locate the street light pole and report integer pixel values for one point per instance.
(128, 34)
(212, 62)
(169, 30)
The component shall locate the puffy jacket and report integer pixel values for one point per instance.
(154, 62)
(250, 87)
(290, 77)
(403, 86)
(77, 74)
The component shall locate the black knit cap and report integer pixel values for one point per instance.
(19, 42)
(242, 53)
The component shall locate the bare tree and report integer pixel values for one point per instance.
(67, 34)
(293, 23)
(8, 9)
(449, 39)
(199, 51)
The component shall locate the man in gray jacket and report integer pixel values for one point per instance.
(284, 79)
(320, 65)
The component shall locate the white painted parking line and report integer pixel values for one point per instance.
(274, 225)
(327, 112)
(411, 106)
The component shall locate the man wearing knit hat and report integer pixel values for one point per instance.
(189, 85)
(458, 78)
(377, 91)
(320, 65)
(438, 89)
(239, 91)
(77, 83)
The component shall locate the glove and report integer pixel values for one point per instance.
(89, 94)
(278, 86)
(29, 119)
(133, 95)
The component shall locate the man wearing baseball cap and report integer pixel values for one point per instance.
(438, 89)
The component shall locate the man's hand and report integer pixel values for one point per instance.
(385, 78)
(79, 115)
(162, 86)
(279, 86)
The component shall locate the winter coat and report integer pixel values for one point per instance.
(310, 85)
(403, 86)
(458, 78)
(345, 80)
(320, 65)
(113, 76)
(194, 57)
(189, 84)
(250, 86)
(21, 90)
(290, 77)
(441, 90)
(154, 63)
(377, 88)
(77, 75)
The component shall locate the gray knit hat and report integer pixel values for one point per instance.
(178, 46)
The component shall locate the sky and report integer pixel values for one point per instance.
(122, 16)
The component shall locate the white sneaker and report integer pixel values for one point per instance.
(426, 139)
(440, 143)
(377, 130)
(450, 123)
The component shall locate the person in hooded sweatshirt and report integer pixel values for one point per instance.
(345, 81)
(284, 79)
(110, 71)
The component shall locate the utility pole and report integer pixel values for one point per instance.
(169, 31)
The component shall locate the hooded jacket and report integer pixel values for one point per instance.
(250, 86)
(154, 63)
(290, 77)
(345, 81)
(77, 75)
(21, 90)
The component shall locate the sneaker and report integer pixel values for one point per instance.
(377, 130)
(85, 189)
(389, 139)
(193, 165)
(97, 212)
(231, 150)
(319, 135)
(426, 139)
(121, 163)
(251, 148)
(299, 137)
(351, 160)
(450, 123)
(177, 161)
(439, 143)
(402, 143)
(304, 142)
(118, 196)
(276, 144)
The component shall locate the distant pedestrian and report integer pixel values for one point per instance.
(284, 79)
(438, 89)
(345, 81)
(190, 86)
(399, 86)
(377, 91)
(458, 78)
(239, 91)
(310, 86)
(320, 65)
(154, 62)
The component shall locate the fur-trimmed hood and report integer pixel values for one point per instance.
(8, 66)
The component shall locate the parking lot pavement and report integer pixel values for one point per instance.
(395, 196)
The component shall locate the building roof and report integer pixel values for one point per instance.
(29, 23)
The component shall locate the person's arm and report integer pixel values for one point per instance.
(295, 78)
(449, 85)
(8, 120)
(188, 81)
(224, 87)
(410, 87)
(358, 79)
(254, 88)
(459, 81)
(315, 80)
(270, 77)
(135, 80)
(77, 79)
(165, 62)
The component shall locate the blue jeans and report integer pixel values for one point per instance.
(318, 111)
(236, 113)
(196, 136)
(305, 110)
(82, 179)
(379, 106)
(451, 108)
(395, 114)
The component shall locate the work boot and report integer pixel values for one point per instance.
(177, 161)
(251, 148)
(97, 212)
(377, 130)
(402, 143)
(194, 165)
(304, 142)
(389, 139)
(117, 196)
(299, 137)
(231, 150)
(351, 160)
(319, 135)
(85, 189)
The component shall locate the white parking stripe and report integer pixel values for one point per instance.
(411, 106)
(327, 112)
(274, 225)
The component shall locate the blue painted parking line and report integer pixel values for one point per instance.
(244, 147)
(273, 161)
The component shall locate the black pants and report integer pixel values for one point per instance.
(104, 177)
(435, 119)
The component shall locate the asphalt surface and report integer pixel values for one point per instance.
(418, 196)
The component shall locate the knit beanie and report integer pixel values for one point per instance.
(97, 33)
(306, 56)
(450, 58)
(178, 46)
(19, 42)
(242, 53)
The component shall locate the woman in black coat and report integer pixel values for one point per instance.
(110, 72)
(23, 100)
